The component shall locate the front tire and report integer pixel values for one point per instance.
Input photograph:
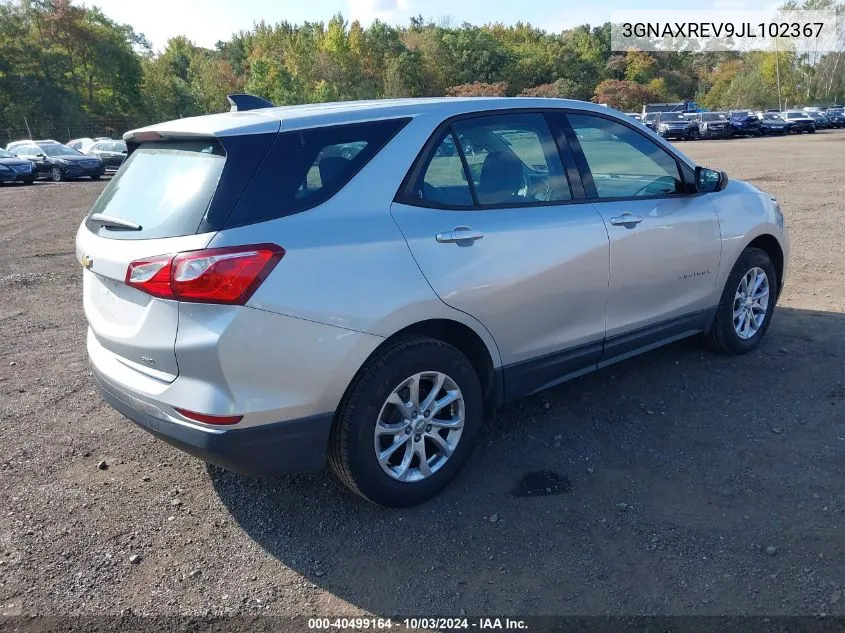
(746, 306)
(407, 423)
(56, 174)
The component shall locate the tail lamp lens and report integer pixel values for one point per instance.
(228, 275)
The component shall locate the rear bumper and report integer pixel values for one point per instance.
(270, 449)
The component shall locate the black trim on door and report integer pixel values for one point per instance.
(530, 376)
(630, 344)
(527, 377)
(465, 164)
(567, 156)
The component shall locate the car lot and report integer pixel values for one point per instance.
(686, 482)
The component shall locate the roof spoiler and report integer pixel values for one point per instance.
(243, 102)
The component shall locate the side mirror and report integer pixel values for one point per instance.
(40, 155)
(709, 180)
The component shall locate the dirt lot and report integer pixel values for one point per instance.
(694, 484)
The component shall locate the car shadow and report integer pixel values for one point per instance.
(653, 486)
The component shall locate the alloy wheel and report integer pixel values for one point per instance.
(751, 303)
(419, 426)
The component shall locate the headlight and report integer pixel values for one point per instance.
(4, 168)
(663, 127)
(703, 126)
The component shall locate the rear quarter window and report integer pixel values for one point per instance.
(305, 168)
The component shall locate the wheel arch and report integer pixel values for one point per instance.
(770, 245)
(466, 340)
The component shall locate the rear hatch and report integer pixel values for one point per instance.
(155, 205)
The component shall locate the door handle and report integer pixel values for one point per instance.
(626, 220)
(458, 235)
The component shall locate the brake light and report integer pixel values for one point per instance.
(221, 420)
(228, 275)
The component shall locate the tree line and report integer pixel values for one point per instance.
(65, 68)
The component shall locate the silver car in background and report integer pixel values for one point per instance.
(362, 283)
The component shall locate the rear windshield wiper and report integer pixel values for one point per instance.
(111, 222)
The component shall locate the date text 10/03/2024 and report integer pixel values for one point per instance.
(462, 623)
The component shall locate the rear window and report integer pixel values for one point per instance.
(184, 187)
(165, 187)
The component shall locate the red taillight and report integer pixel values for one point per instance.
(210, 419)
(214, 275)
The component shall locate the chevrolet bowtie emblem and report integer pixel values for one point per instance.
(87, 262)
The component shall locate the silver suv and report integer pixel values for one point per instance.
(364, 282)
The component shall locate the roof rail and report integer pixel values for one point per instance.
(242, 102)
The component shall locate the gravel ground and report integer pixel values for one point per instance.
(688, 483)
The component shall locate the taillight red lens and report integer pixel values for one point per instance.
(214, 275)
(209, 419)
(152, 276)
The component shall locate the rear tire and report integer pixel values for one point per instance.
(359, 435)
(730, 333)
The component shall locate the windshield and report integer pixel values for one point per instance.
(772, 117)
(713, 116)
(740, 113)
(58, 150)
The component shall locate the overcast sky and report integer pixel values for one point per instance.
(207, 21)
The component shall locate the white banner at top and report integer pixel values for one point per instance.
(727, 30)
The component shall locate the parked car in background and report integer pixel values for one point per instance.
(15, 169)
(80, 144)
(675, 125)
(11, 146)
(799, 121)
(112, 153)
(773, 123)
(205, 330)
(60, 162)
(745, 123)
(822, 122)
(712, 124)
(836, 116)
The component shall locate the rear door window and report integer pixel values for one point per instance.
(513, 159)
(165, 188)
